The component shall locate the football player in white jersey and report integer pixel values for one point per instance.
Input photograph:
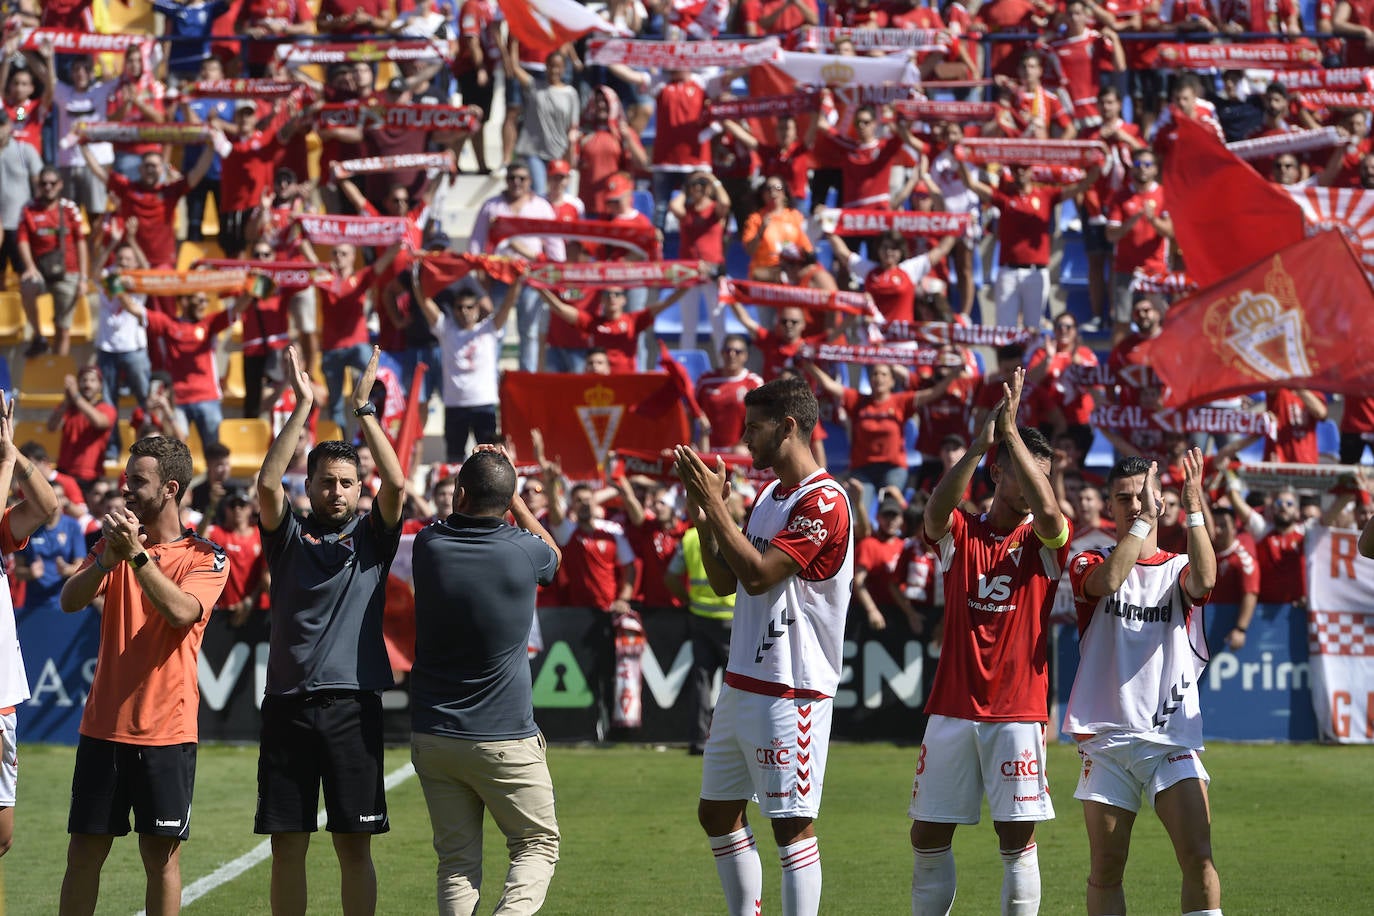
(790, 570)
(1134, 707)
(18, 522)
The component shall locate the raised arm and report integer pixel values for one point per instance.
(747, 320)
(659, 305)
(1247, 519)
(634, 509)
(828, 384)
(1061, 494)
(907, 189)
(1334, 163)
(502, 313)
(44, 72)
(391, 496)
(131, 305)
(97, 419)
(1341, 23)
(1118, 49)
(719, 574)
(430, 185)
(1202, 559)
(342, 134)
(527, 520)
(953, 484)
(39, 499)
(1087, 181)
(934, 392)
(901, 129)
(430, 309)
(260, 219)
(272, 506)
(58, 414)
(350, 190)
(1047, 519)
(207, 518)
(1120, 443)
(634, 147)
(941, 250)
(228, 128)
(1313, 402)
(98, 170)
(738, 131)
(858, 509)
(981, 190)
(558, 307)
(202, 166)
(1367, 540)
(101, 245)
(677, 205)
(74, 398)
(131, 239)
(839, 247)
(7, 53)
(721, 197)
(83, 268)
(1107, 577)
(1040, 361)
(553, 479)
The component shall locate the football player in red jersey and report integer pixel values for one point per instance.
(986, 733)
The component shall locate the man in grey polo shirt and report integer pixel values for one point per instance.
(474, 744)
(19, 163)
(326, 661)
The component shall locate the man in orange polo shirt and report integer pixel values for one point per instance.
(138, 732)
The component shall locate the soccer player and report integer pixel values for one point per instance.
(987, 707)
(327, 662)
(18, 522)
(790, 571)
(139, 729)
(1135, 704)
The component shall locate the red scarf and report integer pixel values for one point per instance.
(617, 274)
(779, 295)
(986, 150)
(619, 233)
